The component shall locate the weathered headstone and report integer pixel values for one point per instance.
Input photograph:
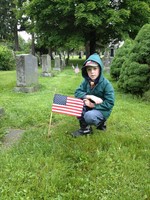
(2, 112)
(12, 137)
(27, 73)
(57, 66)
(63, 63)
(112, 52)
(46, 65)
(106, 61)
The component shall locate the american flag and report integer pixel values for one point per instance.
(67, 105)
(77, 69)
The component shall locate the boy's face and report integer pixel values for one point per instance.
(93, 72)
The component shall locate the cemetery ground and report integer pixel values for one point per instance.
(110, 165)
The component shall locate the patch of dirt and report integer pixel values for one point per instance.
(12, 137)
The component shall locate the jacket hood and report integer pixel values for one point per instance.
(95, 58)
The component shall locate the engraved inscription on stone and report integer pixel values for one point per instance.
(27, 70)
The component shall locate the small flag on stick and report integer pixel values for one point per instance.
(67, 105)
(77, 69)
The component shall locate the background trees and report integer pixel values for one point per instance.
(10, 17)
(6, 20)
(94, 22)
(56, 23)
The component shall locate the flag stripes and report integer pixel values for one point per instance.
(67, 105)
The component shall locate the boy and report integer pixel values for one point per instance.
(97, 94)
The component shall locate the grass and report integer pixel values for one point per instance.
(106, 165)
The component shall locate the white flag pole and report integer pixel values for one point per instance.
(50, 121)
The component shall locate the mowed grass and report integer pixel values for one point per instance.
(111, 165)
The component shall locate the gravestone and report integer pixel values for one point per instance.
(27, 73)
(63, 63)
(46, 65)
(1, 112)
(112, 52)
(106, 61)
(12, 137)
(57, 66)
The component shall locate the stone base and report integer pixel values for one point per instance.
(26, 89)
(2, 112)
(57, 69)
(46, 74)
(12, 137)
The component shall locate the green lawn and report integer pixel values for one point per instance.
(111, 165)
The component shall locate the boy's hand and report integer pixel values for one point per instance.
(97, 100)
(88, 103)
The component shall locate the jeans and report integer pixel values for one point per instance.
(91, 116)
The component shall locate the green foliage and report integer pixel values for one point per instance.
(95, 21)
(120, 56)
(12, 18)
(142, 45)
(139, 16)
(7, 59)
(85, 13)
(25, 47)
(6, 19)
(146, 96)
(112, 165)
(135, 72)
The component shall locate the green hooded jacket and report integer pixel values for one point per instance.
(102, 89)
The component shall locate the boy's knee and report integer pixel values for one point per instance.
(88, 117)
(93, 118)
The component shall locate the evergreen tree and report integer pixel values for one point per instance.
(121, 54)
(135, 72)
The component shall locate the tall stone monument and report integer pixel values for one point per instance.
(27, 73)
(63, 63)
(46, 65)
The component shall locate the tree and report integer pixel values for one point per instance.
(135, 72)
(19, 20)
(96, 22)
(11, 13)
(6, 19)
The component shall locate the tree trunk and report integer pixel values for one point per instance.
(68, 56)
(33, 45)
(92, 42)
(50, 53)
(16, 38)
(87, 49)
(90, 45)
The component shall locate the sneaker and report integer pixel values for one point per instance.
(102, 126)
(80, 132)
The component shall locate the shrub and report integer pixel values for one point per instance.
(135, 72)
(146, 96)
(7, 59)
(119, 59)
